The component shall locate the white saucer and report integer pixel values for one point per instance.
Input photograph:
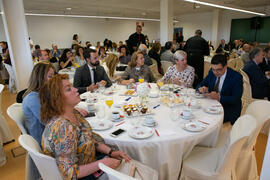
(213, 110)
(117, 120)
(100, 125)
(187, 117)
(194, 127)
(141, 132)
(150, 125)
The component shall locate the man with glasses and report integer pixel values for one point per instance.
(225, 85)
(91, 75)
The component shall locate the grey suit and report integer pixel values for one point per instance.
(82, 78)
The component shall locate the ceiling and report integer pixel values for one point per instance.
(126, 8)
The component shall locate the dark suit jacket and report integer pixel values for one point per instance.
(265, 67)
(226, 47)
(82, 78)
(230, 95)
(197, 45)
(259, 83)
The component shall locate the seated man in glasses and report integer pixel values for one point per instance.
(225, 85)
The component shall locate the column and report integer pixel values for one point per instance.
(18, 42)
(215, 27)
(166, 21)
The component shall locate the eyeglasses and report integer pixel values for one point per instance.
(217, 70)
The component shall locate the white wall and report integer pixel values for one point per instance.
(192, 22)
(47, 30)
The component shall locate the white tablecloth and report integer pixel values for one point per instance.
(166, 152)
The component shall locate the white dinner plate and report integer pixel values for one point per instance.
(194, 127)
(117, 120)
(100, 125)
(213, 110)
(141, 132)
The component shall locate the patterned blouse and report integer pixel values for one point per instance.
(70, 144)
(186, 76)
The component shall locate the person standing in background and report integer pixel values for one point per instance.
(136, 39)
(196, 48)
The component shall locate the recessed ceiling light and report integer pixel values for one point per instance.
(69, 9)
(225, 7)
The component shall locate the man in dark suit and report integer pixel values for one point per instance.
(136, 39)
(223, 45)
(225, 85)
(197, 47)
(258, 80)
(91, 75)
(265, 65)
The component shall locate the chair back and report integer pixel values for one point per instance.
(165, 65)
(46, 165)
(241, 130)
(15, 112)
(154, 61)
(239, 64)
(154, 70)
(231, 63)
(1, 90)
(12, 78)
(113, 174)
(247, 93)
(260, 110)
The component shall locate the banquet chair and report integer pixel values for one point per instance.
(165, 65)
(46, 165)
(260, 109)
(12, 80)
(219, 163)
(247, 93)
(15, 112)
(154, 61)
(239, 64)
(113, 174)
(6, 134)
(154, 69)
(231, 63)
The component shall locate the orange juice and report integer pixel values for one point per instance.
(141, 80)
(109, 102)
(160, 83)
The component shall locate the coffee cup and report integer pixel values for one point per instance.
(115, 115)
(149, 120)
(186, 113)
(90, 107)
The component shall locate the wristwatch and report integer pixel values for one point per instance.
(110, 153)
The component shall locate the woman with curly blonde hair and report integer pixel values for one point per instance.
(68, 137)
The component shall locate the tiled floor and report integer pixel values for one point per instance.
(14, 167)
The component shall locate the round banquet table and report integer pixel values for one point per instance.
(165, 152)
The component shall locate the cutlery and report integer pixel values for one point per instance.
(157, 132)
(156, 106)
(120, 123)
(203, 122)
(128, 99)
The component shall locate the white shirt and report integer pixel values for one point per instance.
(91, 73)
(221, 81)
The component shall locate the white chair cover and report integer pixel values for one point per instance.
(15, 112)
(46, 165)
(12, 79)
(260, 109)
(218, 163)
(5, 132)
(2, 152)
(154, 70)
(131, 170)
(165, 65)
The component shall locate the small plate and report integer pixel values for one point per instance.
(150, 125)
(141, 132)
(213, 110)
(199, 96)
(187, 117)
(100, 125)
(193, 127)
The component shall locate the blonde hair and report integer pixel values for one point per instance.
(111, 61)
(38, 76)
(134, 57)
(51, 98)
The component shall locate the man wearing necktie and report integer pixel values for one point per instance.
(91, 75)
(224, 85)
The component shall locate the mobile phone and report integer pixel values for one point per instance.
(117, 132)
(91, 114)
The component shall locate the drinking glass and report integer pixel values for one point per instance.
(101, 112)
(109, 103)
